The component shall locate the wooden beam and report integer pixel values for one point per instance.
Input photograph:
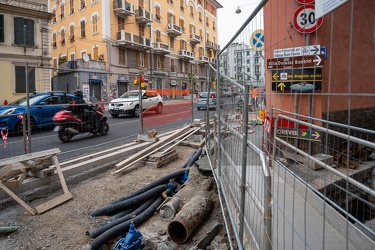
(16, 198)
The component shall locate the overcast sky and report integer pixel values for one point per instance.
(229, 21)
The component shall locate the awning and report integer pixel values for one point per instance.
(173, 83)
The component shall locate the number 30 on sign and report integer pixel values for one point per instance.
(304, 19)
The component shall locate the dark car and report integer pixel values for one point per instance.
(42, 108)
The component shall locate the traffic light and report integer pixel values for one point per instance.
(214, 84)
(136, 80)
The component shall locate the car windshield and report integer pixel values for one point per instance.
(132, 94)
(23, 101)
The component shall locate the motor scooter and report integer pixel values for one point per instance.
(69, 124)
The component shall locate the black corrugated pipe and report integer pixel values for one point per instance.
(163, 180)
(122, 214)
(115, 208)
(125, 218)
(194, 158)
(186, 163)
(122, 228)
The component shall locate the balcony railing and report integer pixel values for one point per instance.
(209, 45)
(161, 48)
(123, 8)
(204, 59)
(213, 61)
(139, 42)
(143, 17)
(194, 39)
(185, 55)
(174, 30)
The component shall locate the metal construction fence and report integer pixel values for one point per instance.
(36, 113)
(295, 166)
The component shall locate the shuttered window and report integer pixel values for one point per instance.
(2, 28)
(23, 31)
(21, 79)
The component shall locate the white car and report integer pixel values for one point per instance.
(128, 103)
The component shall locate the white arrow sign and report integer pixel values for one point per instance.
(297, 51)
(317, 60)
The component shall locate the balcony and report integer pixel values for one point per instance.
(122, 8)
(142, 17)
(130, 40)
(204, 59)
(161, 48)
(194, 39)
(213, 61)
(209, 45)
(216, 47)
(185, 55)
(174, 30)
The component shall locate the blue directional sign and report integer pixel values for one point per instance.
(323, 49)
(257, 40)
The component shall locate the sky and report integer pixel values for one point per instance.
(230, 22)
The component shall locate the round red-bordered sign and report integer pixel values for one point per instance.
(304, 19)
(305, 1)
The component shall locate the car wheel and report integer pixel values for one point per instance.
(159, 108)
(136, 111)
(19, 127)
(114, 115)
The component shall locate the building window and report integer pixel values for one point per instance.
(213, 25)
(170, 2)
(54, 38)
(191, 11)
(53, 21)
(182, 6)
(21, 79)
(96, 53)
(207, 22)
(23, 31)
(182, 25)
(1, 28)
(71, 5)
(95, 24)
(62, 34)
(183, 44)
(83, 4)
(83, 28)
(158, 36)
(200, 17)
(158, 62)
(62, 11)
(171, 42)
(157, 14)
(122, 56)
(120, 24)
(71, 35)
(141, 59)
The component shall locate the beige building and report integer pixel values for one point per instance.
(24, 38)
(108, 43)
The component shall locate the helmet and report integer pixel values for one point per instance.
(78, 93)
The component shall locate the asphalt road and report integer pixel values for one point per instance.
(122, 130)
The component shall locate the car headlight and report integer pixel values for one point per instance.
(9, 111)
(128, 103)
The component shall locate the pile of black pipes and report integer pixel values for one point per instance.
(142, 204)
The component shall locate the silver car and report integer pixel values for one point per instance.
(128, 103)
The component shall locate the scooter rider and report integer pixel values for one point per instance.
(81, 108)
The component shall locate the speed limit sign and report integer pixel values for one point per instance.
(304, 19)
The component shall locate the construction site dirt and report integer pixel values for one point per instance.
(68, 226)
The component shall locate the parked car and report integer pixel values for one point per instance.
(42, 108)
(128, 103)
(202, 100)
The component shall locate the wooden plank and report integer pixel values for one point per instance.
(5, 170)
(16, 198)
(53, 203)
(149, 150)
(31, 156)
(161, 163)
(60, 174)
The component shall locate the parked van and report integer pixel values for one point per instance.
(226, 91)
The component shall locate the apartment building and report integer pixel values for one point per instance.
(24, 38)
(243, 64)
(107, 44)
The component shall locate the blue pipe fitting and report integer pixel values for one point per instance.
(185, 177)
(132, 240)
